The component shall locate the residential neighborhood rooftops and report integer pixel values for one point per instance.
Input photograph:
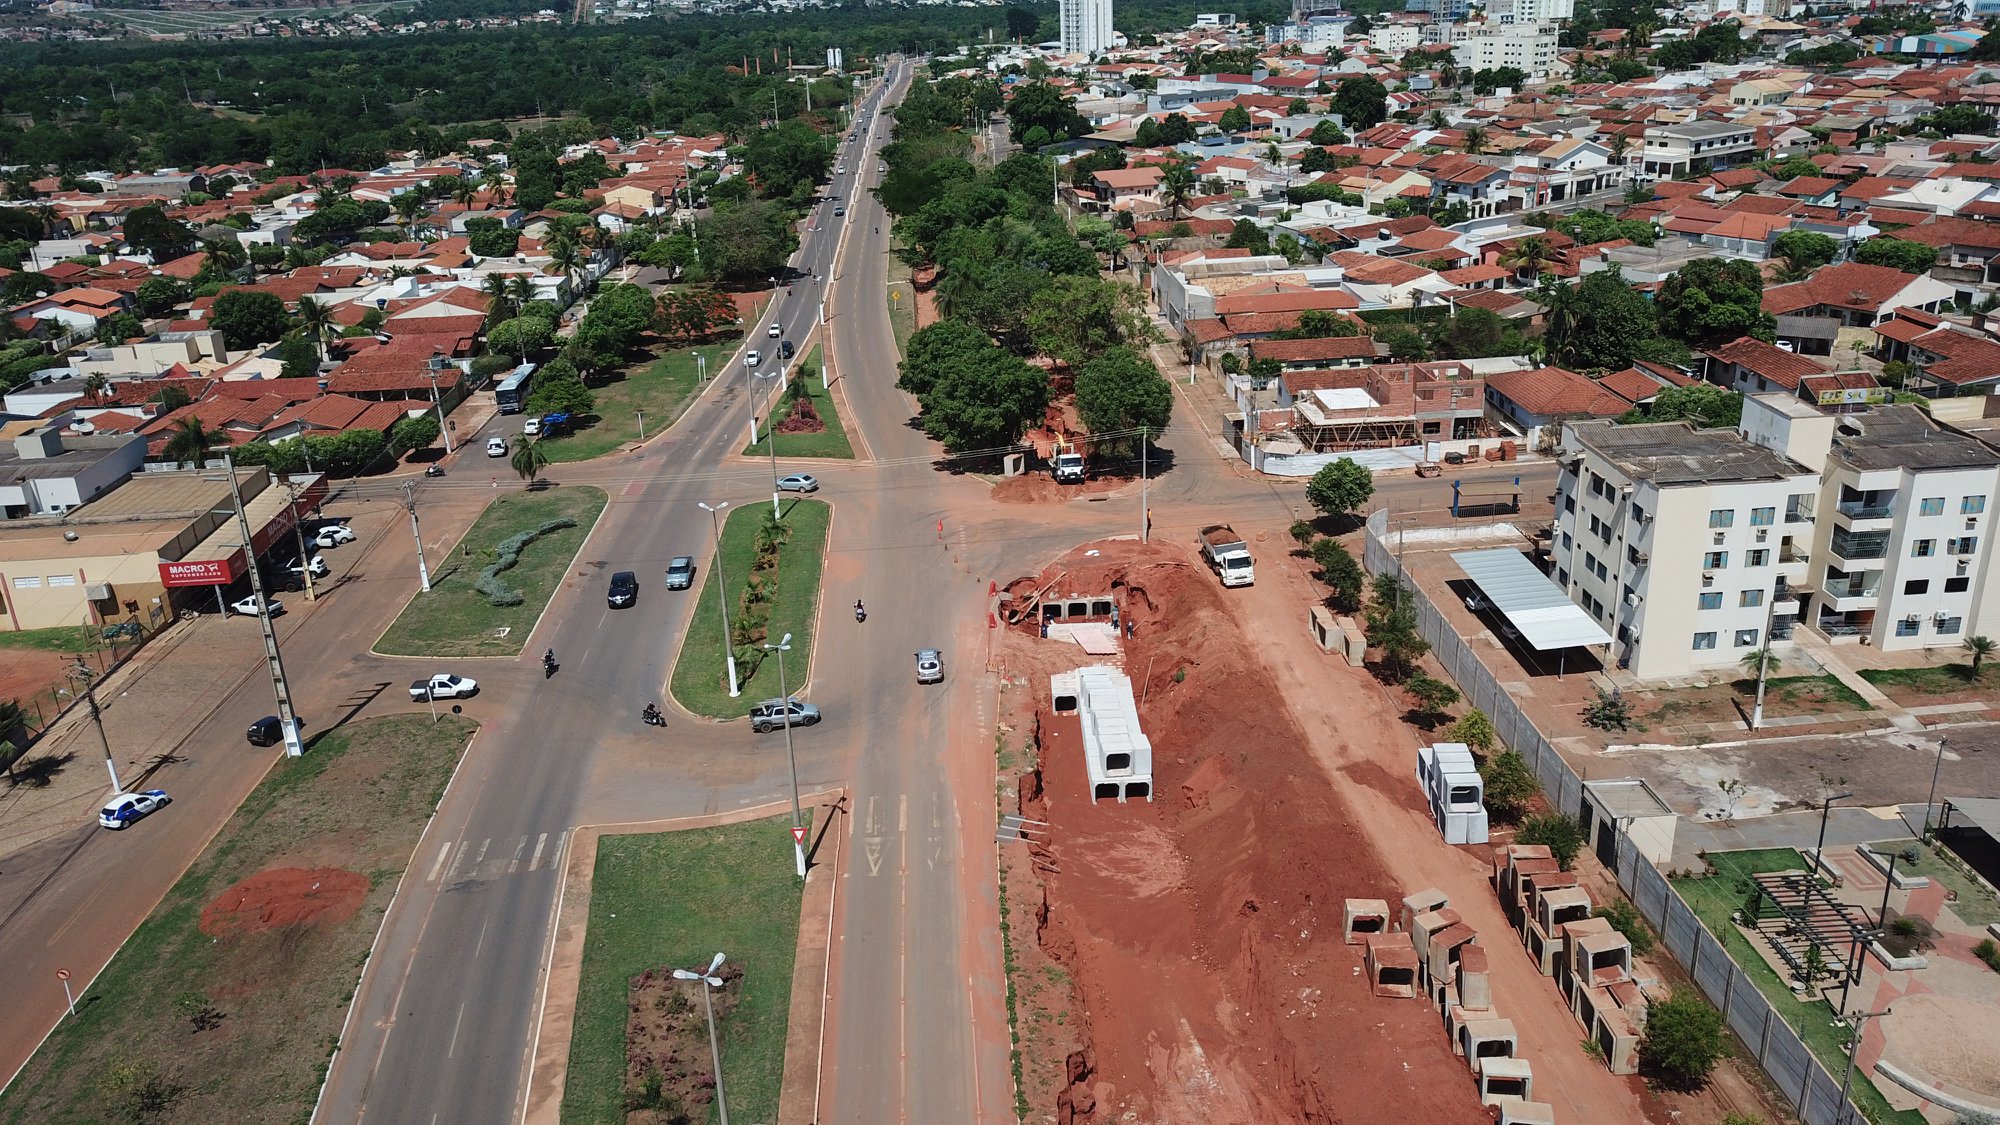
(1671, 454)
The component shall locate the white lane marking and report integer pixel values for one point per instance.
(452, 1051)
(481, 943)
(452, 872)
(555, 853)
(439, 865)
(481, 857)
(518, 849)
(536, 861)
(903, 813)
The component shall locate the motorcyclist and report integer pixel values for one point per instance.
(651, 714)
(549, 662)
(859, 612)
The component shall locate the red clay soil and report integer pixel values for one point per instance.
(1041, 488)
(1202, 930)
(283, 896)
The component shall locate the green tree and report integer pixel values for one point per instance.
(1897, 253)
(746, 241)
(1684, 1040)
(1339, 488)
(562, 396)
(190, 442)
(1475, 730)
(1711, 301)
(1760, 660)
(1803, 251)
(157, 296)
(118, 328)
(618, 316)
(149, 230)
(1326, 134)
(789, 161)
(1605, 321)
(1507, 781)
(1361, 101)
(1338, 569)
(1625, 918)
(317, 321)
(1039, 105)
(1077, 318)
(1559, 831)
(1391, 625)
(1404, 343)
(1705, 404)
(520, 336)
(1246, 235)
(298, 356)
(1432, 697)
(414, 433)
(1529, 256)
(1119, 391)
(1981, 648)
(974, 396)
(498, 242)
(1235, 119)
(248, 316)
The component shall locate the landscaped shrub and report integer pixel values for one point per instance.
(506, 556)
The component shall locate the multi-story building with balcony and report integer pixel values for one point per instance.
(1696, 547)
(1673, 538)
(1901, 553)
(1529, 47)
(1696, 147)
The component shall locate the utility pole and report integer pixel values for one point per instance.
(1764, 662)
(83, 672)
(286, 718)
(1854, 1048)
(1145, 509)
(410, 502)
(435, 371)
(298, 525)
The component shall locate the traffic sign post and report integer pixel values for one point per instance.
(799, 835)
(68, 997)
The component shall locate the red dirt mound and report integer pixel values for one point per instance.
(283, 896)
(1041, 488)
(1202, 930)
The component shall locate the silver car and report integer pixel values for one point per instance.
(680, 572)
(930, 666)
(770, 714)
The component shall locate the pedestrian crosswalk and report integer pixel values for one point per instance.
(494, 857)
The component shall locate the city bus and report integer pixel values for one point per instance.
(513, 390)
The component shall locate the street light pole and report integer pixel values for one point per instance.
(410, 502)
(1819, 849)
(286, 718)
(83, 672)
(1932, 799)
(798, 826)
(710, 980)
(771, 437)
(1853, 1049)
(722, 595)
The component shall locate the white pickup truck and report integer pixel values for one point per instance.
(443, 686)
(1227, 554)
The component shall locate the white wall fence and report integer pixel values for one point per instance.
(1814, 1093)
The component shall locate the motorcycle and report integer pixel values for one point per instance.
(652, 717)
(860, 614)
(549, 664)
(433, 471)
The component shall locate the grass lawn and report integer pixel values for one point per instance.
(830, 442)
(456, 620)
(353, 807)
(1713, 898)
(902, 300)
(700, 683)
(1976, 905)
(662, 389)
(67, 639)
(674, 899)
(1934, 683)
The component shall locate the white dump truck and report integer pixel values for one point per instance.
(1228, 554)
(1068, 467)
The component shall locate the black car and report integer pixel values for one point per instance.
(785, 349)
(624, 589)
(268, 731)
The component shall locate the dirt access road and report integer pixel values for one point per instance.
(1203, 930)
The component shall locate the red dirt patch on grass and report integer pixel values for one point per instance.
(283, 896)
(1203, 929)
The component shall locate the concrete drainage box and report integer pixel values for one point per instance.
(1116, 753)
(1453, 790)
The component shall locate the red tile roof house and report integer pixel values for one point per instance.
(1950, 361)
(1123, 189)
(1318, 354)
(1528, 401)
(1750, 366)
(1857, 295)
(332, 414)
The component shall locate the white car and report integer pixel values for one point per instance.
(334, 535)
(496, 447)
(841, 171)
(531, 428)
(125, 808)
(751, 358)
(776, 331)
(317, 566)
(443, 686)
(248, 606)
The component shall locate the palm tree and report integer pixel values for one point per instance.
(1436, 119)
(565, 253)
(1475, 138)
(1980, 647)
(316, 317)
(499, 299)
(1559, 317)
(94, 387)
(1760, 661)
(1528, 256)
(529, 460)
(954, 290)
(190, 442)
(521, 290)
(406, 205)
(224, 254)
(1178, 182)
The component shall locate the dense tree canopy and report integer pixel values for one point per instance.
(1711, 301)
(248, 316)
(1897, 253)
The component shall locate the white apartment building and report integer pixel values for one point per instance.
(1690, 546)
(1901, 553)
(1086, 26)
(1696, 147)
(1530, 11)
(1394, 38)
(1483, 46)
(1671, 537)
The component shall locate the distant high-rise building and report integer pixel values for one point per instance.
(1086, 26)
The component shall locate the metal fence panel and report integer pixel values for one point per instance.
(1712, 970)
(1747, 1010)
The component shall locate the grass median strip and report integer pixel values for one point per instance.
(788, 601)
(902, 305)
(661, 390)
(672, 900)
(828, 442)
(227, 1001)
(454, 619)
